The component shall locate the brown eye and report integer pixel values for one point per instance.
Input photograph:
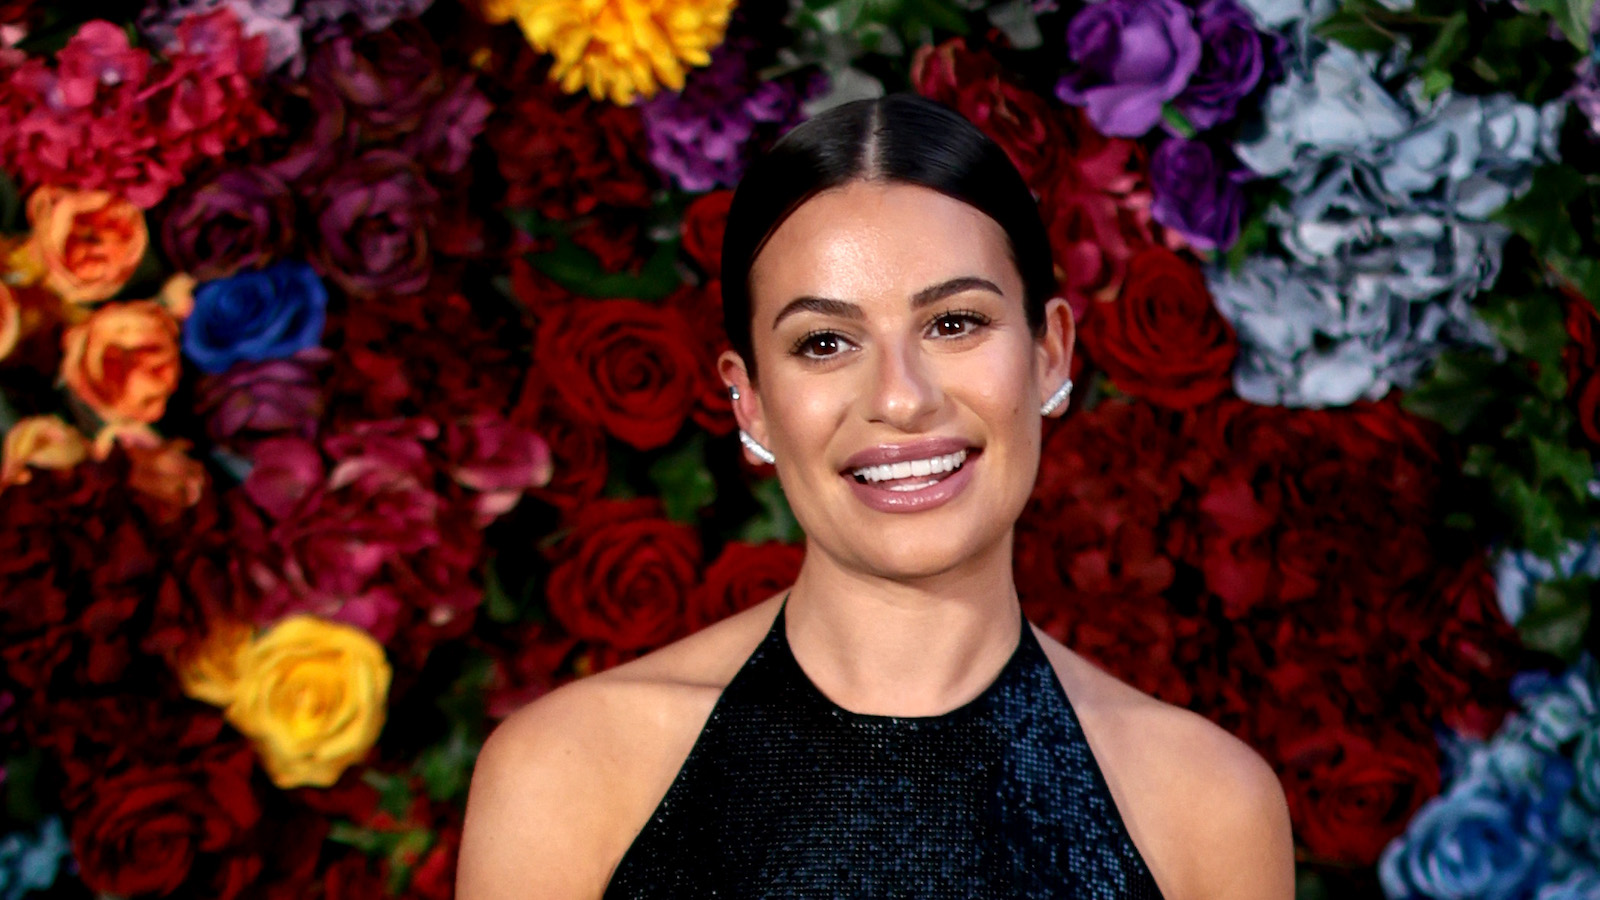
(820, 345)
(957, 324)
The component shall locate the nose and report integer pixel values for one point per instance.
(906, 391)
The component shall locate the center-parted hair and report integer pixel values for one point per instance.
(899, 138)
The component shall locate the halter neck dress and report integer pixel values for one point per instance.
(787, 795)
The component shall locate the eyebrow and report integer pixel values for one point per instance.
(926, 297)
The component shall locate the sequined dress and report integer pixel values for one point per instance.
(788, 795)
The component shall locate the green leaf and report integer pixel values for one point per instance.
(1571, 16)
(1436, 82)
(1533, 325)
(579, 271)
(1356, 26)
(1541, 215)
(1451, 44)
(1558, 618)
(1456, 392)
(1567, 465)
(685, 483)
(776, 522)
(497, 604)
(22, 787)
(394, 793)
(1177, 121)
(446, 768)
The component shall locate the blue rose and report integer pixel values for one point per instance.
(270, 314)
(1489, 837)
(1579, 884)
(30, 862)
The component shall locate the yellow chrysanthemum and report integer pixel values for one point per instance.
(620, 49)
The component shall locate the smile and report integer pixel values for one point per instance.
(911, 477)
(912, 474)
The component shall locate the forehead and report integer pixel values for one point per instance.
(873, 239)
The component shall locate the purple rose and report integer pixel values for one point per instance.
(1230, 67)
(1132, 56)
(386, 80)
(255, 401)
(242, 219)
(1194, 195)
(372, 218)
(443, 141)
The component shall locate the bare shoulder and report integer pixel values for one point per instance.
(563, 785)
(1205, 810)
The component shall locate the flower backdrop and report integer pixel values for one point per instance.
(356, 386)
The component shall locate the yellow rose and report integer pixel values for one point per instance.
(40, 442)
(311, 694)
(88, 243)
(210, 670)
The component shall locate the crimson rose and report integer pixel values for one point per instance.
(633, 365)
(1162, 339)
(624, 575)
(744, 575)
(703, 224)
(156, 829)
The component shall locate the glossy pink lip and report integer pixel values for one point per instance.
(936, 494)
(926, 448)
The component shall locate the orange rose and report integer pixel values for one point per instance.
(10, 321)
(40, 442)
(159, 469)
(86, 242)
(122, 361)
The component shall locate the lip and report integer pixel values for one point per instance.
(936, 494)
(926, 448)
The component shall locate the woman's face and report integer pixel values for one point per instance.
(899, 381)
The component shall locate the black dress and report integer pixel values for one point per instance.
(786, 794)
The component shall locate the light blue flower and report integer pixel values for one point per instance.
(1518, 573)
(1488, 836)
(1385, 225)
(30, 862)
(1579, 884)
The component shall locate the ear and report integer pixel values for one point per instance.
(1053, 358)
(747, 409)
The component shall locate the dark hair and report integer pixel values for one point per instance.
(898, 138)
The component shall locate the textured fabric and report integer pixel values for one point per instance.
(786, 794)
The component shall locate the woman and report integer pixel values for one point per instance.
(890, 726)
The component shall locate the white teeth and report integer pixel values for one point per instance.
(917, 468)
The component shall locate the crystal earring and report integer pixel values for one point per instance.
(755, 448)
(1057, 399)
(750, 443)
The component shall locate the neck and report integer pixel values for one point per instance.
(903, 647)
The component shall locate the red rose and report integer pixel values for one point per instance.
(577, 445)
(635, 367)
(1465, 652)
(1582, 361)
(701, 306)
(1162, 338)
(1350, 794)
(703, 224)
(154, 830)
(743, 576)
(565, 156)
(972, 83)
(624, 575)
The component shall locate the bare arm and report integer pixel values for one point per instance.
(1245, 844)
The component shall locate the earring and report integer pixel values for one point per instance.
(733, 392)
(755, 448)
(1057, 399)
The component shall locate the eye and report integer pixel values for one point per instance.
(820, 345)
(957, 323)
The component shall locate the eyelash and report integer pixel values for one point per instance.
(972, 318)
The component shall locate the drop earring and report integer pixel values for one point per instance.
(1058, 399)
(750, 443)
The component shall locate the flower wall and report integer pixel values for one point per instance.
(356, 380)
